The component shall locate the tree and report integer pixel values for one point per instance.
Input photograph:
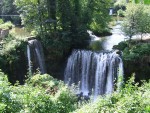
(65, 20)
(137, 20)
(100, 16)
(143, 23)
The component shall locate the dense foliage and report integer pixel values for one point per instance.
(64, 15)
(12, 55)
(131, 99)
(44, 94)
(136, 57)
(41, 94)
(64, 23)
(141, 1)
(133, 50)
(6, 25)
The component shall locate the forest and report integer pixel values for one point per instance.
(74, 56)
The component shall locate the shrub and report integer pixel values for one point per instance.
(34, 97)
(120, 12)
(1, 21)
(7, 103)
(121, 46)
(7, 25)
(133, 50)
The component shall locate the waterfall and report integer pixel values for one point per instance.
(29, 59)
(96, 71)
(110, 11)
(35, 56)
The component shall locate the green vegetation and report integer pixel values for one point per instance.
(12, 53)
(61, 25)
(64, 23)
(41, 94)
(6, 25)
(131, 99)
(141, 1)
(136, 20)
(49, 16)
(120, 7)
(133, 50)
(44, 94)
(136, 52)
(136, 59)
(1, 21)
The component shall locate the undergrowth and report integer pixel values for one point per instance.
(44, 94)
(40, 94)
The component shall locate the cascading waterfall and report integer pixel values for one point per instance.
(110, 11)
(29, 59)
(96, 71)
(35, 56)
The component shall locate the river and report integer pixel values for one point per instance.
(116, 37)
(108, 42)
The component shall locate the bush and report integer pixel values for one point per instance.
(34, 97)
(136, 59)
(12, 56)
(132, 50)
(1, 21)
(120, 5)
(38, 80)
(6, 25)
(121, 46)
(7, 102)
(121, 13)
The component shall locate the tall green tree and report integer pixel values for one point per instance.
(137, 20)
(64, 14)
(100, 16)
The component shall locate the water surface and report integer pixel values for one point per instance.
(116, 37)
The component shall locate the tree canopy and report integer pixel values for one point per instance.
(64, 21)
(137, 20)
